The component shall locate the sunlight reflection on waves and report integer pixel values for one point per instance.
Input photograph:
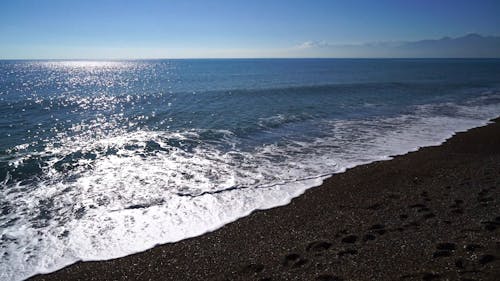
(87, 64)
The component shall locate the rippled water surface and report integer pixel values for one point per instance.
(101, 159)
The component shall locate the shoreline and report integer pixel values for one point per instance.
(426, 215)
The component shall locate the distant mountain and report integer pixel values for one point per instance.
(471, 45)
(468, 46)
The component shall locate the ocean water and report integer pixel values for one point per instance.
(102, 159)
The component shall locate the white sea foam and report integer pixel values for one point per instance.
(146, 188)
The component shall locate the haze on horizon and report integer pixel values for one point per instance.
(112, 29)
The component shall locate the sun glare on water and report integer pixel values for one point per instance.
(86, 64)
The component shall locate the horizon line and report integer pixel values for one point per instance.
(231, 58)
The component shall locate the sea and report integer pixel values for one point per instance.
(103, 159)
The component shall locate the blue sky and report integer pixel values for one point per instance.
(232, 28)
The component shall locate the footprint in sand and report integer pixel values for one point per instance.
(422, 208)
(318, 246)
(444, 250)
(374, 229)
(294, 261)
(491, 225)
(350, 239)
(369, 237)
(484, 259)
(378, 228)
(252, 268)
(457, 207)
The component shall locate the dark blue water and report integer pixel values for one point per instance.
(96, 154)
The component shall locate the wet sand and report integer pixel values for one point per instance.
(433, 214)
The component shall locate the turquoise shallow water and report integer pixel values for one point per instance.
(95, 155)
